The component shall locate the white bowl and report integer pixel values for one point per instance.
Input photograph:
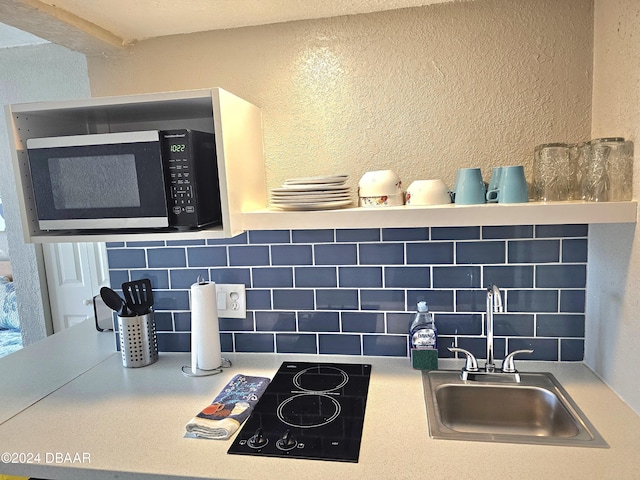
(428, 192)
(379, 183)
(382, 200)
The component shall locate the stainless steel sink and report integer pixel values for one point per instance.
(536, 411)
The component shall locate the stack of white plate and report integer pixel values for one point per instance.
(312, 193)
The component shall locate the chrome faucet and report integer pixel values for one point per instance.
(494, 305)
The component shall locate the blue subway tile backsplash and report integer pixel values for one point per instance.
(534, 251)
(382, 300)
(561, 231)
(571, 350)
(270, 236)
(507, 276)
(354, 291)
(273, 277)
(455, 233)
(166, 257)
(438, 300)
(316, 277)
(574, 250)
(345, 344)
(508, 231)
(572, 301)
(360, 277)
(564, 325)
(358, 235)
(290, 299)
(275, 321)
(385, 345)
(291, 255)
(254, 342)
(126, 258)
(336, 254)
(171, 300)
(459, 323)
(318, 321)
(337, 299)
(207, 257)
(407, 277)
(296, 343)
(514, 324)
(480, 252)
(182, 243)
(561, 276)
(404, 234)
(456, 277)
(381, 253)
(313, 236)
(174, 342)
(429, 253)
(532, 301)
(249, 255)
(363, 322)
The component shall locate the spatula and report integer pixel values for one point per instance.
(139, 295)
(114, 301)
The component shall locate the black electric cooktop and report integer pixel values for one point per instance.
(309, 410)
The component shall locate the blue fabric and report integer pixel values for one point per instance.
(10, 341)
(229, 409)
(241, 388)
(8, 306)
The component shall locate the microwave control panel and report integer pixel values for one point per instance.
(193, 191)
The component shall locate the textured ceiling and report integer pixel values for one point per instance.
(106, 26)
(142, 19)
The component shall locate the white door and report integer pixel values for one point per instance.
(75, 273)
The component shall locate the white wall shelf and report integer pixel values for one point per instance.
(237, 126)
(533, 213)
(133, 236)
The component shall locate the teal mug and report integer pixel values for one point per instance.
(494, 183)
(511, 187)
(469, 188)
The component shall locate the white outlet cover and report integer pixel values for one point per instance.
(231, 300)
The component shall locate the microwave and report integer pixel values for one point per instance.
(126, 180)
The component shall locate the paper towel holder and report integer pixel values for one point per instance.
(194, 370)
(188, 371)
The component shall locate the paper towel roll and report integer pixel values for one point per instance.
(205, 331)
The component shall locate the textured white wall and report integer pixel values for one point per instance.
(423, 90)
(613, 303)
(29, 74)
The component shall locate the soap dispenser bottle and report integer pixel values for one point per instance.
(423, 339)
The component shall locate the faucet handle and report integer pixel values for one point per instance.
(472, 364)
(509, 365)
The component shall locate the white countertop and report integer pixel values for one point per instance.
(33, 372)
(129, 424)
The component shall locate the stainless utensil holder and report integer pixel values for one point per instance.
(138, 341)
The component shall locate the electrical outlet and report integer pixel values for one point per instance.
(231, 300)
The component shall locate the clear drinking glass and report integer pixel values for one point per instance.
(552, 180)
(576, 167)
(595, 176)
(619, 168)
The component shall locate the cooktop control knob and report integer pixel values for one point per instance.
(258, 440)
(286, 442)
